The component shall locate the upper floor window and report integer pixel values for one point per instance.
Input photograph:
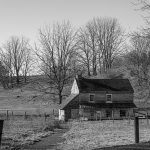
(91, 97)
(109, 97)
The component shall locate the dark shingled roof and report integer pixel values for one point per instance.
(91, 85)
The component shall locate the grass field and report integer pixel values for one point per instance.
(18, 130)
(26, 100)
(96, 134)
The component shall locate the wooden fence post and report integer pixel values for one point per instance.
(12, 113)
(1, 129)
(147, 119)
(100, 116)
(25, 115)
(45, 116)
(7, 114)
(113, 115)
(129, 117)
(136, 129)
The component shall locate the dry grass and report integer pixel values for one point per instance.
(19, 131)
(96, 134)
(27, 99)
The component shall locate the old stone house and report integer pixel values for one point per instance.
(95, 99)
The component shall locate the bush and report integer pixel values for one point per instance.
(57, 124)
(50, 126)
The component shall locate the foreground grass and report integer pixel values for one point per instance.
(97, 134)
(18, 131)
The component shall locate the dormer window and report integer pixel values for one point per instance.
(108, 98)
(92, 97)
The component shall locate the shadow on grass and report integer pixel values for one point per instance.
(139, 146)
(56, 124)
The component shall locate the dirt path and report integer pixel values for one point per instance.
(49, 143)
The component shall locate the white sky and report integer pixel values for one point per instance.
(25, 17)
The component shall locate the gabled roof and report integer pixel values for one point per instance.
(91, 85)
(68, 100)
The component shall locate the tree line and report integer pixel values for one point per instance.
(63, 52)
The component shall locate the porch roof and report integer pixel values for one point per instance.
(68, 100)
(110, 105)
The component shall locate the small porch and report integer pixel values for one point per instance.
(105, 111)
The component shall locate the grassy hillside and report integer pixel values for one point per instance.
(34, 95)
(26, 99)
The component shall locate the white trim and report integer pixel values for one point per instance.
(61, 114)
(74, 89)
(107, 100)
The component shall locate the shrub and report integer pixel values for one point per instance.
(50, 126)
(57, 124)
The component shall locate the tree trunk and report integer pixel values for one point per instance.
(17, 80)
(25, 78)
(11, 80)
(60, 98)
(89, 74)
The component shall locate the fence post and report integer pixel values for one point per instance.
(129, 117)
(25, 115)
(12, 113)
(45, 116)
(100, 116)
(113, 115)
(1, 129)
(53, 112)
(147, 118)
(7, 114)
(136, 129)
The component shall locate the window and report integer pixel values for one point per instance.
(91, 98)
(122, 113)
(109, 97)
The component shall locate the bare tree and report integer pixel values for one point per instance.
(109, 39)
(92, 44)
(84, 52)
(139, 57)
(57, 47)
(144, 6)
(28, 63)
(4, 76)
(14, 54)
(6, 60)
(100, 41)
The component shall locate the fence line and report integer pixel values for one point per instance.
(11, 113)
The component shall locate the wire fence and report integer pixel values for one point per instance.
(22, 125)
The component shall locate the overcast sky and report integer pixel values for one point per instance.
(25, 17)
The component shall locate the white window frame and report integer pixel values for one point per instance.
(107, 100)
(90, 96)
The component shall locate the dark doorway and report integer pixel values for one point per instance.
(108, 113)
